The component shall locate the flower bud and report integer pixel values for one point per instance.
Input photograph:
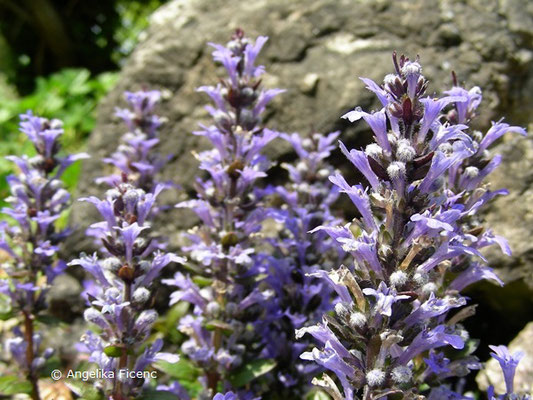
(223, 120)
(471, 172)
(342, 311)
(213, 308)
(141, 295)
(374, 150)
(375, 377)
(429, 287)
(357, 319)
(95, 317)
(396, 170)
(401, 374)
(389, 79)
(405, 152)
(111, 264)
(145, 266)
(307, 144)
(145, 321)
(398, 278)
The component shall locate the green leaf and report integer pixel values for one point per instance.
(423, 387)
(49, 320)
(85, 390)
(113, 351)
(157, 395)
(251, 371)
(202, 281)
(214, 324)
(183, 369)
(5, 304)
(184, 372)
(318, 394)
(12, 385)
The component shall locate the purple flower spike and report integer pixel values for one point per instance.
(131, 256)
(223, 249)
(32, 242)
(412, 247)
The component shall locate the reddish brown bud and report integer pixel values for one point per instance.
(126, 273)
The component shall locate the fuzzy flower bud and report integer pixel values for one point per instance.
(401, 374)
(375, 377)
(396, 170)
(398, 278)
(342, 311)
(405, 152)
(141, 295)
(471, 172)
(374, 150)
(357, 319)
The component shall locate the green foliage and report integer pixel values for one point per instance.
(70, 95)
(317, 394)
(167, 324)
(10, 385)
(157, 395)
(249, 372)
(83, 389)
(184, 372)
(5, 307)
(134, 18)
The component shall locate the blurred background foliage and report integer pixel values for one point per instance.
(58, 58)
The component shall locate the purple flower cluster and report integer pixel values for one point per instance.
(277, 288)
(131, 260)
(297, 259)
(229, 294)
(136, 157)
(414, 246)
(31, 243)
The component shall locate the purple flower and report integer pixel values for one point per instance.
(176, 389)
(377, 122)
(385, 297)
(497, 130)
(430, 339)
(437, 362)
(359, 160)
(433, 307)
(508, 363)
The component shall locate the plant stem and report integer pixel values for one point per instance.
(123, 360)
(28, 333)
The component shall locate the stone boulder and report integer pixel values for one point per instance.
(317, 50)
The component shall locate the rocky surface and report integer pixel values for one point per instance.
(317, 49)
(523, 382)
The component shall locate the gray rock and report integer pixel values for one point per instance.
(317, 49)
(64, 298)
(523, 382)
(512, 215)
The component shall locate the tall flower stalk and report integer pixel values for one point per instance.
(298, 259)
(38, 199)
(229, 294)
(131, 259)
(413, 246)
